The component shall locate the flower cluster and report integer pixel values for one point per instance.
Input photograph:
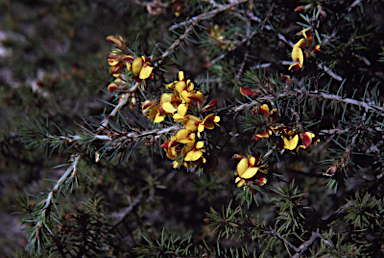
(217, 34)
(297, 50)
(289, 137)
(247, 171)
(186, 147)
(140, 66)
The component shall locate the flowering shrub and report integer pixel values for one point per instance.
(296, 138)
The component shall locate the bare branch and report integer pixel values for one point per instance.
(306, 245)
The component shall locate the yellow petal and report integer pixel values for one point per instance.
(137, 65)
(290, 144)
(182, 109)
(250, 172)
(190, 125)
(152, 113)
(242, 166)
(180, 86)
(159, 118)
(176, 164)
(199, 145)
(181, 76)
(146, 71)
(170, 85)
(182, 134)
(252, 160)
(290, 67)
(300, 43)
(178, 118)
(167, 97)
(297, 55)
(191, 86)
(168, 108)
(241, 182)
(193, 155)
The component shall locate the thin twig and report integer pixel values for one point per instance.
(275, 233)
(219, 8)
(40, 224)
(306, 245)
(240, 72)
(314, 94)
(121, 214)
(122, 102)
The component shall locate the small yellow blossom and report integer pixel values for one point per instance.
(247, 168)
(142, 68)
(209, 122)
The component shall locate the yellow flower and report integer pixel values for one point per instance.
(168, 103)
(191, 122)
(117, 40)
(264, 134)
(116, 84)
(193, 152)
(247, 169)
(297, 55)
(171, 147)
(209, 122)
(290, 139)
(185, 136)
(157, 114)
(216, 32)
(115, 60)
(181, 113)
(142, 68)
(306, 138)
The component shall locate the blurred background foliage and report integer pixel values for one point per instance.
(54, 71)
